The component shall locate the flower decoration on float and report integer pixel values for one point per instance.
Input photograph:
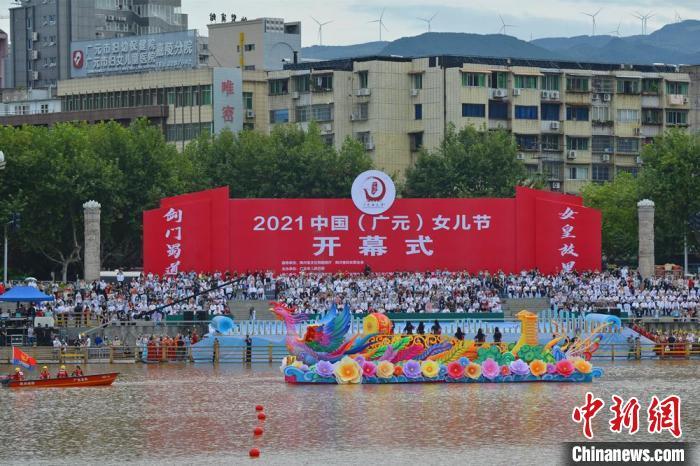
(411, 369)
(565, 367)
(430, 369)
(347, 370)
(455, 369)
(369, 369)
(538, 367)
(583, 366)
(473, 371)
(490, 369)
(385, 369)
(519, 367)
(324, 369)
(505, 370)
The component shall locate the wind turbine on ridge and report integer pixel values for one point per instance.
(616, 31)
(504, 27)
(592, 16)
(428, 20)
(320, 29)
(644, 19)
(381, 24)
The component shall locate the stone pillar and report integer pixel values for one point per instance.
(645, 210)
(93, 263)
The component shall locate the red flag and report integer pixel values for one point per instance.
(20, 358)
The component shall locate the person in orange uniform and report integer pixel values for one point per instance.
(18, 375)
(78, 372)
(44, 374)
(62, 373)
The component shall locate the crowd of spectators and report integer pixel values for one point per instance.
(151, 297)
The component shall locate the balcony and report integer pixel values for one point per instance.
(550, 126)
(676, 100)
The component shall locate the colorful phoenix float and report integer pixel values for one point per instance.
(326, 355)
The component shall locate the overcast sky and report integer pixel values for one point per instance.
(534, 18)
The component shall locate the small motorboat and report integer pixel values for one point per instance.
(67, 382)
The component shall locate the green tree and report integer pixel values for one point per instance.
(671, 178)
(289, 163)
(468, 163)
(617, 202)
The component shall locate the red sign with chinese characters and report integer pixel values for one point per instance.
(206, 231)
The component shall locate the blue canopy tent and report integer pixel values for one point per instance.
(24, 294)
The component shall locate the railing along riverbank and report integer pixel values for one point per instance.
(272, 353)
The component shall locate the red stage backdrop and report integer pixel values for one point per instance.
(207, 231)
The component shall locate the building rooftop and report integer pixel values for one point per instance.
(451, 61)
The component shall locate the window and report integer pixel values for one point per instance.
(602, 84)
(302, 83)
(576, 113)
(365, 138)
(553, 170)
(526, 142)
(279, 86)
(44, 108)
(652, 116)
(474, 79)
(525, 82)
(576, 84)
(627, 115)
(524, 112)
(302, 114)
(628, 145)
(248, 100)
(578, 173)
(600, 172)
(418, 111)
(600, 114)
(628, 86)
(498, 110)
(676, 117)
(550, 112)
(417, 80)
(474, 110)
(416, 140)
(603, 144)
(576, 143)
(322, 112)
(550, 82)
(249, 68)
(279, 116)
(361, 111)
(650, 86)
(323, 83)
(328, 139)
(550, 142)
(676, 88)
(363, 78)
(499, 80)
(249, 47)
(205, 92)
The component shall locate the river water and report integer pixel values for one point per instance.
(202, 414)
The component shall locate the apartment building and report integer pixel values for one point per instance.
(42, 31)
(574, 122)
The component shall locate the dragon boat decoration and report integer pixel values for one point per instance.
(326, 355)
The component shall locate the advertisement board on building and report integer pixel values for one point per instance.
(206, 231)
(227, 101)
(151, 52)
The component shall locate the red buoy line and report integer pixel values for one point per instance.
(257, 431)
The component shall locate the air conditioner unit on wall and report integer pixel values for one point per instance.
(606, 97)
(554, 95)
(249, 113)
(369, 145)
(606, 157)
(415, 92)
(35, 36)
(556, 185)
(363, 92)
(499, 93)
(295, 95)
(545, 94)
(554, 125)
(520, 156)
(516, 92)
(571, 155)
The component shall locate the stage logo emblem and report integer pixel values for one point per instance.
(373, 192)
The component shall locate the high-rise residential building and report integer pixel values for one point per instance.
(259, 44)
(3, 59)
(573, 122)
(42, 31)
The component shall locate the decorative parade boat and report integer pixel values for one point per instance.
(67, 382)
(325, 356)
